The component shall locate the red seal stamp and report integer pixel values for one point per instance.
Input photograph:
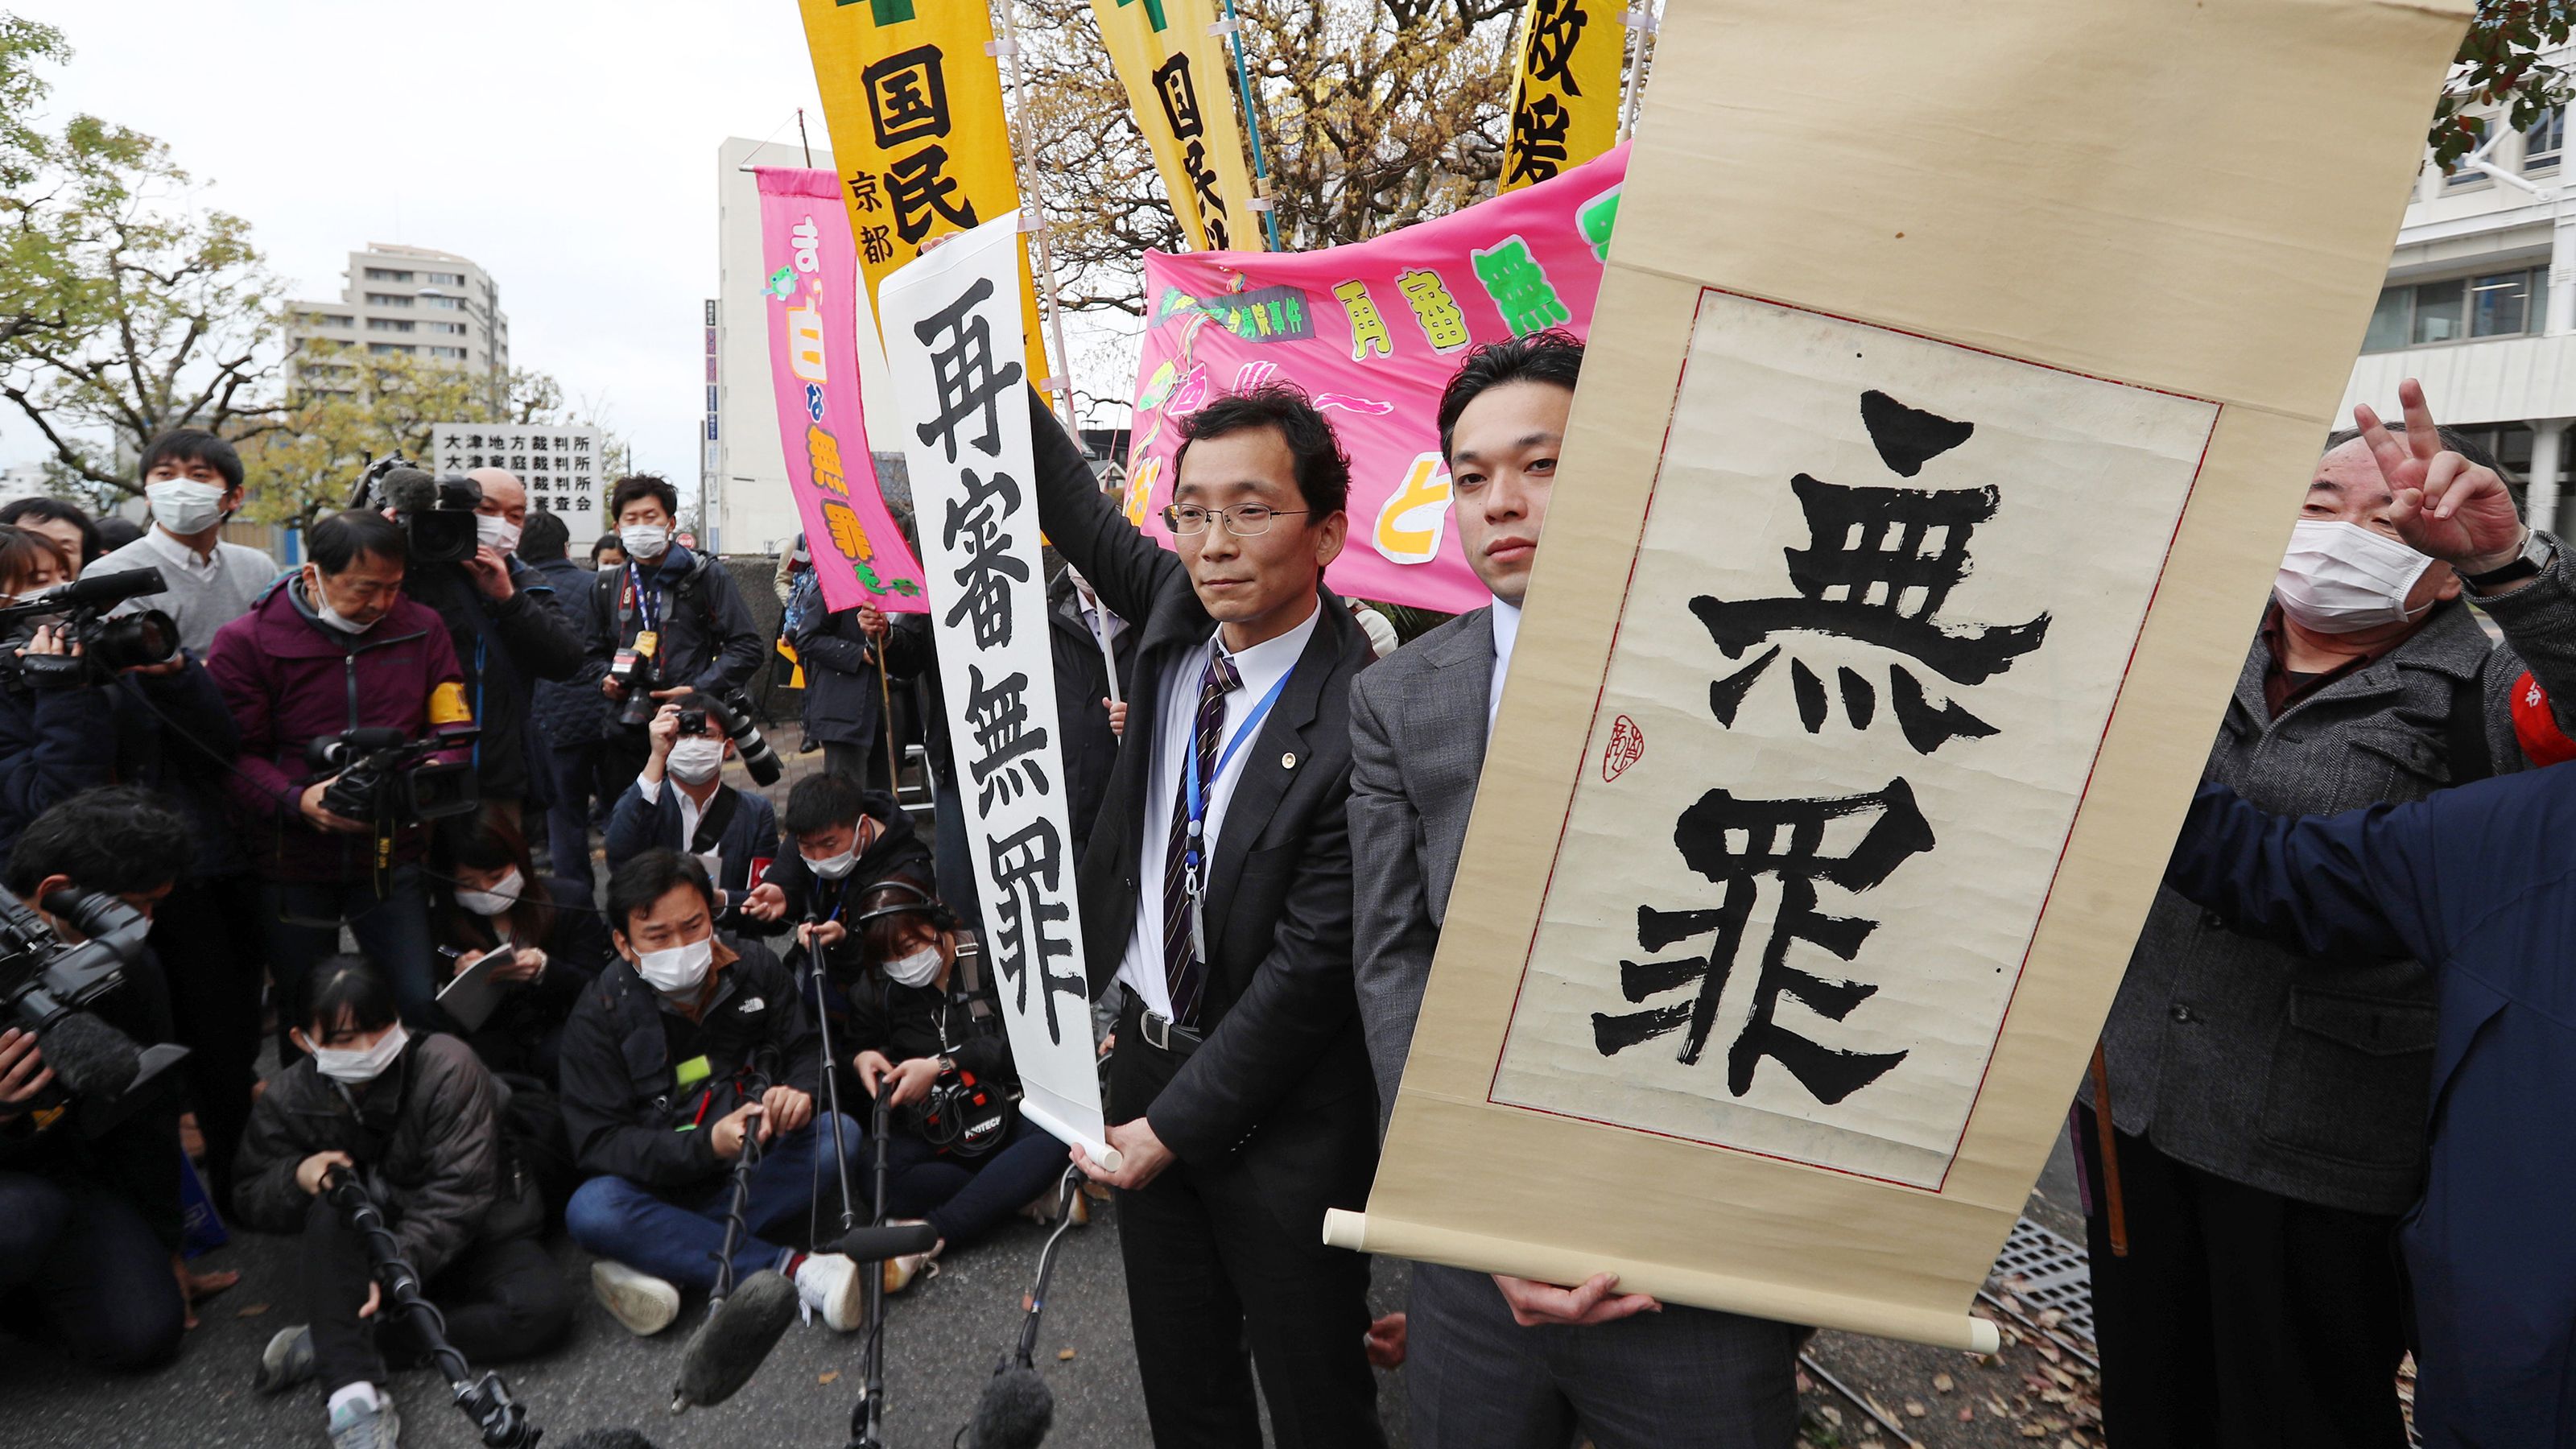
(1627, 745)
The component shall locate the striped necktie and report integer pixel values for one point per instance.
(1183, 972)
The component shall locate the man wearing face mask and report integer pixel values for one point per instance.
(847, 839)
(690, 1049)
(500, 617)
(335, 647)
(2271, 1107)
(681, 802)
(194, 482)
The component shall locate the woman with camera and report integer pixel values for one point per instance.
(486, 897)
(924, 1031)
(418, 1120)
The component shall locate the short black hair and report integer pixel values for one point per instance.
(54, 510)
(192, 445)
(543, 538)
(335, 542)
(603, 544)
(116, 530)
(642, 485)
(120, 839)
(822, 801)
(1323, 470)
(341, 988)
(649, 876)
(1554, 356)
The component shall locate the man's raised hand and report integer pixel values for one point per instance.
(2445, 506)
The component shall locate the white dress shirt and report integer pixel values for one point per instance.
(1507, 632)
(1260, 666)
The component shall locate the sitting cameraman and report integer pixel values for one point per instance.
(694, 812)
(926, 1034)
(668, 622)
(847, 839)
(418, 1120)
(332, 648)
(89, 1225)
(485, 895)
(499, 615)
(685, 1047)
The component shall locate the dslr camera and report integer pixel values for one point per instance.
(47, 987)
(387, 778)
(79, 610)
(436, 513)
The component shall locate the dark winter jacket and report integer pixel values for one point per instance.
(961, 1020)
(503, 649)
(56, 740)
(636, 825)
(622, 1102)
(523, 1031)
(169, 731)
(844, 703)
(174, 734)
(569, 714)
(708, 639)
(1081, 683)
(437, 1113)
(138, 1158)
(898, 850)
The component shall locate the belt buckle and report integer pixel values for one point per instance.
(1161, 1041)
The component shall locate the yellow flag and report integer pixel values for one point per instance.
(1177, 84)
(914, 104)
(1565, 90)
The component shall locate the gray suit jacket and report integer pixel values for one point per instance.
(1417, 746)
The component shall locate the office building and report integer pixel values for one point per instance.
(408, 301)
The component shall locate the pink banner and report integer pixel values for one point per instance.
(1372, 332)
(812, 300)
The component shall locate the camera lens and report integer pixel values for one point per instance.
(757, 756)
(693, 721)
(150, 637)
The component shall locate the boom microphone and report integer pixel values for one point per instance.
(98, 591)
(728, 1348)
(1015, 1412)
(89, 1057)
(409, 490)
(895, 1240)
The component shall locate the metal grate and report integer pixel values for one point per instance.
(2046, 1271)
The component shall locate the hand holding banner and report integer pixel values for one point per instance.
(949, 320)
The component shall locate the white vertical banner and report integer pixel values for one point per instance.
(952, 323)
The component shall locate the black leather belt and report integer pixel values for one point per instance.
(1158, 1031)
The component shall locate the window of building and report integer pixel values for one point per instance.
(388, 299)
(451, 354)
(452, 329)
(2542, 143)
(449, 303)
(382, 349)
(445, 279)
(2457, 309)
(387, 324)
(387, 274)
(2466, 175)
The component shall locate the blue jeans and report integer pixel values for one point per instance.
(964, 1198)
(79, 1264)
(677, 1234)
(392, 927)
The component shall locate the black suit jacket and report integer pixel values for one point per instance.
(1284, 1066)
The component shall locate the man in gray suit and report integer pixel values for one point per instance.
(1496, 1362)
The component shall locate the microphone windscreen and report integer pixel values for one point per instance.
(609, 1439)
(728, 1348)
(1015, 1411)
(409, 490)
(90, 1057)
(895, 1240)
(102, 591)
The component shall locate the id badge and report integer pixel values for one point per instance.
(646, 641)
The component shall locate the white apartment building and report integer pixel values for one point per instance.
(2481, 307)
(410, 301)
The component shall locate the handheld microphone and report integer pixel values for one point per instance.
(729, 1347)
(89, 1057)
(609, 1439)
(98, 591)
(895, 1240)
(1015, 1412)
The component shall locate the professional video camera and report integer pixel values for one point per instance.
(436, 513)
(48, 985)
(107, 645)
(387, 777)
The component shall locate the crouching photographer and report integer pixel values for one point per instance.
(354, 731)
(420, 1122)
(89, 1123)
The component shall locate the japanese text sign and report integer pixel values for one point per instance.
(948, 327)
(1176, 76)
(812, 299)
(1565, 89)
(913, 99)
(560, 467)
(1372, 332)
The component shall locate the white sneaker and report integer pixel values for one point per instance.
(829, 1283)
(643, 1303)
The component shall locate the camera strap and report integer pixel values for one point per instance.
(719, 815)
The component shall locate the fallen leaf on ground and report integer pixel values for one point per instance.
(250, 1310)
(1914, 1408)
(1943, 1383)
(1063, 1354)
(827, 1376)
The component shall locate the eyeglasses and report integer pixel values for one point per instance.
(1243, 520)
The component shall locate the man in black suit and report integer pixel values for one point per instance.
(1217, 890)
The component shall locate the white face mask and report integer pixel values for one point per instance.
(503, 895)
(696, 759)
(833, 867)
(498, 534)
(644, 540)
(918, 969)
(2341, 578)
(323, 611)
(183, 505)
(363, 1064)
(681, 968)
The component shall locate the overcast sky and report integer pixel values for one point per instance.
(569, 146)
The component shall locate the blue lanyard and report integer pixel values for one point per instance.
(644, 606)
(1196, 790)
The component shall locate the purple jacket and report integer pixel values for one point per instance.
(288, 678)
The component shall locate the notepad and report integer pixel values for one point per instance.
(472, 996)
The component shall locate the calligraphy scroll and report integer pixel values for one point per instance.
(812, 297)
(1372, 331)
(913, 100)
(1901, 563)
(1565, 88)
(1177, 85)
(948, 321)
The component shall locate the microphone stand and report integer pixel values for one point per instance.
(831, 1067)
(867, 1417)
(1072, 1184)
(736, 1227)
(502, 1420)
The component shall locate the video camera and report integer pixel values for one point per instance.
(107, 645)
(47, 987)
(387, 777)
(436, 513)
